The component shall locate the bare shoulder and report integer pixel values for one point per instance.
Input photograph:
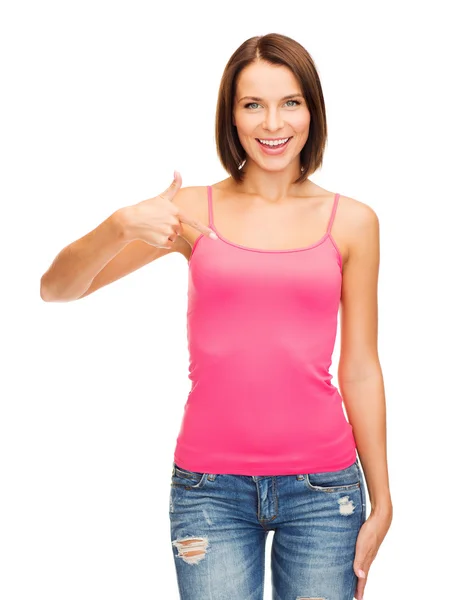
(356, 223)
(356, 214)
(353, 220)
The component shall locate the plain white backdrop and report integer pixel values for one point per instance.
(100, 102)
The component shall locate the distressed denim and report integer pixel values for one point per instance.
(219, 525)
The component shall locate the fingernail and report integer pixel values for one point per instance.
(174, 175)
(213, 235)
(361, 574)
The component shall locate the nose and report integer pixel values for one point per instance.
(273, 120)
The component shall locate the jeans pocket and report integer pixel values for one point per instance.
(343, 480)
(186, 479)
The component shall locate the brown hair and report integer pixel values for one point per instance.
(276, 49)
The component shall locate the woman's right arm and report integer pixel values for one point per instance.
(131, 237)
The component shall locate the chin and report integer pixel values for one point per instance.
(275, 168)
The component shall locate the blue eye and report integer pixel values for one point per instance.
(296, 103)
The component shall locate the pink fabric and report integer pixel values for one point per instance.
(261, 327)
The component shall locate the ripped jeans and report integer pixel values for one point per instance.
(219, 526)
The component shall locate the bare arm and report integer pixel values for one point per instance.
(130, 238)
(359, 374)
(74, 269)
(361, 381)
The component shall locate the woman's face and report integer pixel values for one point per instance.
(269, 105)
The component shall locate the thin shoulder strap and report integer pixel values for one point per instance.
(210, 207)
(333, 213)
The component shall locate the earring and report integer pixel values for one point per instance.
(302, 169)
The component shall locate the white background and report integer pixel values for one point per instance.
(100, 102)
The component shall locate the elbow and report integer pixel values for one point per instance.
(350, 371)
(46, 293)
(43, 291)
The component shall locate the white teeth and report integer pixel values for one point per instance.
(273, 142)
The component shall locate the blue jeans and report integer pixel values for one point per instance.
(219, 525)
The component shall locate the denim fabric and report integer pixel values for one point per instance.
(219, 525)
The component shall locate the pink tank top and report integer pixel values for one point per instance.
(261, 327)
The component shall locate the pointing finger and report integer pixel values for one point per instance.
(197, 225)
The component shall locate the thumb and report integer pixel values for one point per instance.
(358, 568)
(173, 189)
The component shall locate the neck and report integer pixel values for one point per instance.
(272, 186)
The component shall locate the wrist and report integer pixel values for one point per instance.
(382, 509)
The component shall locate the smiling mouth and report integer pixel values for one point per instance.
(271, 144)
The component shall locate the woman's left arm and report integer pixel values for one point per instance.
(360, 378)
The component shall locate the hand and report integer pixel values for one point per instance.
(369, 539)
(157, 221)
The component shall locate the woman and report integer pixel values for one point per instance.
(264, 444)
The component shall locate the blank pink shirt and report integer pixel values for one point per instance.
(261, 327)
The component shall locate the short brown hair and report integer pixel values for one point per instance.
(276, 49)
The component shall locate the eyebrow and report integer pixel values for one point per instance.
(260, 99)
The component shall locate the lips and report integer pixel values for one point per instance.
(278, 149)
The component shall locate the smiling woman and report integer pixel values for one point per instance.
(270, 125)
(273, 95)
(264, 443)
(263, 419)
